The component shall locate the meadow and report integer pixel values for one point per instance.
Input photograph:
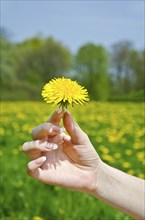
(116, 131)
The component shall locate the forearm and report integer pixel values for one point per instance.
(122, 191)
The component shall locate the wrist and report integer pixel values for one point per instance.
(103, 180)
(120, 190)
(94, 187)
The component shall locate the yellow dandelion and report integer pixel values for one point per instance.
(128, 152)
(131, 172)
(141, 175)
(126, 165)
(117, 155)
(38, 218)
(140, 155)
(63, 91)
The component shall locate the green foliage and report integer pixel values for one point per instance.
(116, 131)
(26, 66)
(138, 96)
(7, 73)
(92, 67)
(44, 57)
(22, 91)
(128, 66)
(137, 65)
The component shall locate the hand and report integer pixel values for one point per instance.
(74, 164)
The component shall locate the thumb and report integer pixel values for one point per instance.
(75, 132)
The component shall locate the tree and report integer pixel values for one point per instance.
(44, 57)
(120, 65)
(128, 68)
(26, 66)
(92, 66)
(7, 67)
(137, 66)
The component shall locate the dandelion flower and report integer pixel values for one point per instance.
(38, 218)
(63, 91)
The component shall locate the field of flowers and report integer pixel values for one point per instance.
(115, 129)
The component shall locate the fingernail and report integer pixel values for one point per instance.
(58, 129)
(62, 130)
(40, 160)
(50, 129)
(43, 158)
(51, 146)
(55, 146)
(67, 138)
(59, 110)
(67, 112)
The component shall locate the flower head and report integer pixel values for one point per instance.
(63, 91)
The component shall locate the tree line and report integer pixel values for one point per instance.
(115, 74)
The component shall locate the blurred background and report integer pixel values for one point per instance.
(98, 43)
(101, 45)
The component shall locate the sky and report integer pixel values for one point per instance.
(75, 23)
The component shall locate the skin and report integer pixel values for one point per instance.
(72, 162)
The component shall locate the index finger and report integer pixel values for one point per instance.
(56, 117)
(49, 128)
(45, 130)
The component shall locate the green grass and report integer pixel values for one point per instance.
(115, 129)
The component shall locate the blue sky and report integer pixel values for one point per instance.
(75, 23)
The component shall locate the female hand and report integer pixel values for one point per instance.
(72, 162)
(65, 160)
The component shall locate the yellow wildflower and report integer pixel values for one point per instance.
(63, 91)
(141, 175)
(117, 155)
(126, 164)
(61, 211)
(128, 152)
(38, 218)
(140, 155)
(108, 158)
(104, 149)
(131, 172)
